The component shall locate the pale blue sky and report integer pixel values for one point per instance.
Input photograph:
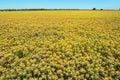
(79, 4)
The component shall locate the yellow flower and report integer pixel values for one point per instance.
(59, 71)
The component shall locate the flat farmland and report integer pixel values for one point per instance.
(60, 45)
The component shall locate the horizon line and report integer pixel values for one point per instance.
(57, 9)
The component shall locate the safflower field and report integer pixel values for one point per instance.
(60, 45)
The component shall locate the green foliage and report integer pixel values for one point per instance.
(94, 9)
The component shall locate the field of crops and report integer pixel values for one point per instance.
(60, 45)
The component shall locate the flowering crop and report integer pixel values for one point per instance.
(65, 45)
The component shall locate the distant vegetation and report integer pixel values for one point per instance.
(94, 8)
(41, 9)
(34, 9)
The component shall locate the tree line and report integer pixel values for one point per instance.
(42, 9)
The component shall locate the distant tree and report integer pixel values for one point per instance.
(119, 8)
(101, 9)
(94, 9)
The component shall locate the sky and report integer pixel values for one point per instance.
(60, 4)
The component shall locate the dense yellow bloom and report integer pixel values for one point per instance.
(60, 45)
